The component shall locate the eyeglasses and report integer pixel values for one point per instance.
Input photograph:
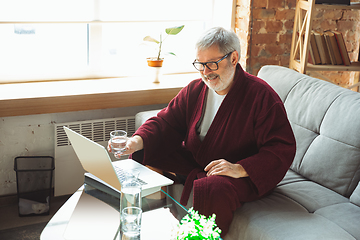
(213, 66)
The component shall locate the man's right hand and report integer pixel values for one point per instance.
(133, 144)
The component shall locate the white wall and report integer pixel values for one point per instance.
(34, 136)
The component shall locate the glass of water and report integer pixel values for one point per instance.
(130, 190)
(118, 139)
(131, 222)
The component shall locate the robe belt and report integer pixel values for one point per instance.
(189, 185)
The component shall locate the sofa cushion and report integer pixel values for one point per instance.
(308, 101)
(331, 163)
(340, 124)
(291, 177)
(310, 195)
(323, 117)
(345, 215)
(279, 217)
(355, 196)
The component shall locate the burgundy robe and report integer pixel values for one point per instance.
(250, 128)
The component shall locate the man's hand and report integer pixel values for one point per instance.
(133, 144)
(225, 168)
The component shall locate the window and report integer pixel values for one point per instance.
(73, 39)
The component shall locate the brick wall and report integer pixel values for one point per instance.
(267, 37)
(265, 31)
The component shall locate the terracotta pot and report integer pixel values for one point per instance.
(154, 62)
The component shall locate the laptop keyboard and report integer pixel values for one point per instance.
(121, 175)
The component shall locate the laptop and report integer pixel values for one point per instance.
(101, 172)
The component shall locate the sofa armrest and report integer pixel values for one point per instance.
(141, 117)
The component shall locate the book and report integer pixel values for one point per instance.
(342, 47)
(311, 56)
(334, 47)
(314, 49)
(331, 53)
(322, 48)
(327, 53)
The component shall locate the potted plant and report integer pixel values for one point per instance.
(157, 61)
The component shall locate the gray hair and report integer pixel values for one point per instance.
(227, 41)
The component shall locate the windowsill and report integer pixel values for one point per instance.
(66, 96)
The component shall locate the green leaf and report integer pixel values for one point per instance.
(150, 39)
(171, 53)
(174, 30)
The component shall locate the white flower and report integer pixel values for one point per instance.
(196, 226)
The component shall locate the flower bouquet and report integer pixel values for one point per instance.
(195, 226)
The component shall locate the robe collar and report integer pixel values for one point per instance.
(203, 156)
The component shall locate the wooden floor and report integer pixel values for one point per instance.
(13, 227)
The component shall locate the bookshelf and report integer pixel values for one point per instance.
(305, 10)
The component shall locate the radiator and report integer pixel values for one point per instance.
(69, 174)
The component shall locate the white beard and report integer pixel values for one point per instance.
(222, 82)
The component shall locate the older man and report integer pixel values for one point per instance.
(227, 132)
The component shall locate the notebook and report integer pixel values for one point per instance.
(101, 174)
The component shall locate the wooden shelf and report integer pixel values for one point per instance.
(334, 6)
(354, 66)
(300, 46)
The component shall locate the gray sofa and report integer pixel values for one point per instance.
(319, 198)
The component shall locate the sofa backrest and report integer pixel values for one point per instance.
(326, 122)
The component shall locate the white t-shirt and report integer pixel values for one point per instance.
(213, 103)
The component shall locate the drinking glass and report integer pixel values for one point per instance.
(131, 223)
(130, 190)
(118, 142)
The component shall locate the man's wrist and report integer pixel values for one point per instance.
(139, 142)
(243, 172)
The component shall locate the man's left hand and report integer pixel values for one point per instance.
(225, 168)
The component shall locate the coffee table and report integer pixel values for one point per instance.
(93, 214)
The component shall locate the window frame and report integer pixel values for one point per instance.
(69, 95)
(220, 8)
